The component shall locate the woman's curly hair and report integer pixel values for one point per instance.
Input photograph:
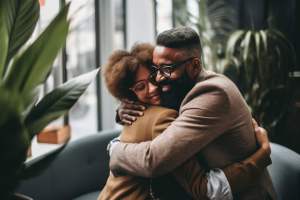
(121, 68)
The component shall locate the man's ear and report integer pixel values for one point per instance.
(194, 68)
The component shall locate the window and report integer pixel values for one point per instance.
(80, 54)
(163, 15)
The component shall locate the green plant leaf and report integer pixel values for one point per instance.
(222, 19)
(17, 22)
(57, 102)
(34, 64)
(12, 132)
(263, 35)
(233, 41)
(29, 100)
(247, 45)
(257, 44)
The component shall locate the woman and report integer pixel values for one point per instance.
(127, 76)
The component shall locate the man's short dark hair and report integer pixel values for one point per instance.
(180, 37)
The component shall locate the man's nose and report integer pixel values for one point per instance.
(159, 77)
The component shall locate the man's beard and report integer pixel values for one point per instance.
(179, 89)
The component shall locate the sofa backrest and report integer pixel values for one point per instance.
(285, 172)
(81, 167)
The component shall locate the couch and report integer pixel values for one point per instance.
(81, 168)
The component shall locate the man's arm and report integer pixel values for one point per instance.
(128, 111)
(191, 175)
(201, 184)
(201, 121)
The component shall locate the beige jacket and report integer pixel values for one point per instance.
(214, 121)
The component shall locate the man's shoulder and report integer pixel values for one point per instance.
(214, 80)
(212, 88)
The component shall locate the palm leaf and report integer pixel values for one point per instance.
(57, 103)
(222, 18)
(257, 44)
(232, 42)
(17, 22)
(33, 65)
(263, 35)
(247, 45)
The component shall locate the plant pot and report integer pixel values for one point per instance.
(18, 196)
(54, 135)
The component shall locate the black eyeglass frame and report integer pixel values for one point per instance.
(166, 69)
(146, 81)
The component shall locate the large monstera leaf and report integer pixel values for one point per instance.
(17, 22)
(31, 67)
(57, 103)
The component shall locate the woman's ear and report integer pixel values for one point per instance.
(194, 69)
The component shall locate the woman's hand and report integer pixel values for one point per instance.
(128, 111)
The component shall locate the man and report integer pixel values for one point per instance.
(214, 121)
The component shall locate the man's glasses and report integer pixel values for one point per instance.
(166, 69)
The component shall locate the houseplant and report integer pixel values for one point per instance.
(261, 61)
(23, 68)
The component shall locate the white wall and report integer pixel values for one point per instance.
(140, 21)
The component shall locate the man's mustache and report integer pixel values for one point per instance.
(165, 82)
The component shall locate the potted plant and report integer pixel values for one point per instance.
(260, 62)
(23, 69)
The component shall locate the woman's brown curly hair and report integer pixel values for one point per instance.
(121, 68)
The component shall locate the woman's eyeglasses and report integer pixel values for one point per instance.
(141, 86)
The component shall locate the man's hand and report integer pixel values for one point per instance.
(262, 137)
(128, 111)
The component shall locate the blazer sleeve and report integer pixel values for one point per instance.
(244, 174)
(201, 120)
(240, 175)
(192, 176)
